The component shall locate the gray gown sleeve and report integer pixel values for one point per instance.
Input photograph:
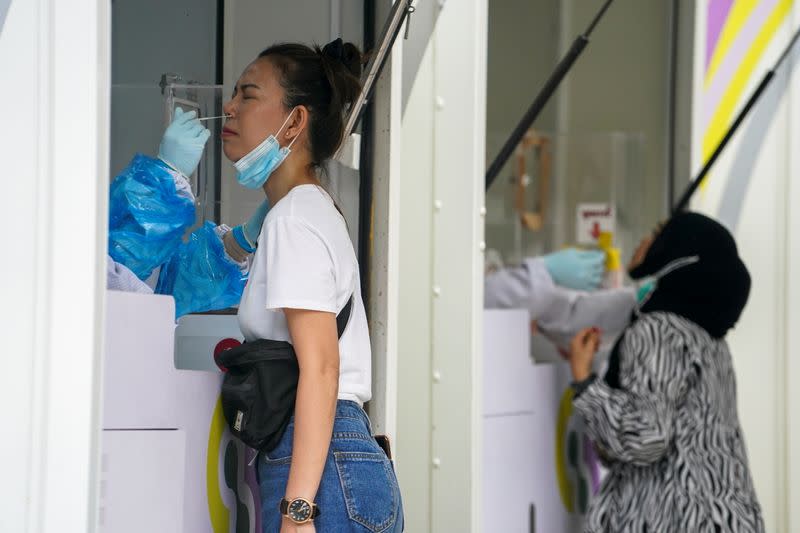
(560, 313)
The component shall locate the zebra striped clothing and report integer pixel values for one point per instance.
(670, 435)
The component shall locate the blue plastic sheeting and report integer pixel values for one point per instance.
(200, 276)
(147, 218)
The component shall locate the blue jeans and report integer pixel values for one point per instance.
(358, 492)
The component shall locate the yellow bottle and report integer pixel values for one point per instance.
(613, 277)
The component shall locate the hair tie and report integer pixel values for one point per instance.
(334, 49)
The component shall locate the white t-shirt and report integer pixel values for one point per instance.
(305, 260)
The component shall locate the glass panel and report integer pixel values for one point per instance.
(533, 208)
(207, 101)
(141, 113)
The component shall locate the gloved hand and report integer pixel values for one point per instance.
(576, 269)
(242, 240)
(183, 142)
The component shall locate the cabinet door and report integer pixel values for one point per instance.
(507, 365)
(139, 373)
(141, 487)
(509, 476)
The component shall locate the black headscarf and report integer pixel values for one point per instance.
(712, 292)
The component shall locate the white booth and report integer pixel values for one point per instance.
(168, 460)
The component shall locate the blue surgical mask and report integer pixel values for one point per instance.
(645, 290)
(253, 170)
(649, 285)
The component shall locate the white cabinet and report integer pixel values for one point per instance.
(141, 481)
(140, 380)
(509, 473)
(507, 368)
(524, 475)
(166, 446)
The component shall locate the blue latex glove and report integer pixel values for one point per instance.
(183, 142)
(576, 269)
(247, 234)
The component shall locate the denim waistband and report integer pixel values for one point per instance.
(350, 409)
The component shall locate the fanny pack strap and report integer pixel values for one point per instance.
(343, 317)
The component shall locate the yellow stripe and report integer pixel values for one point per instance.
(564, 486)
(737, 18)
(723, 115)
(217, 512)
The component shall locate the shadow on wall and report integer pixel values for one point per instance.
(744, 163)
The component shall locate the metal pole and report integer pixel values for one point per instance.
(400, 10)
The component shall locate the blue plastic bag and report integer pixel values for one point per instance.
(200, 276)
(148, 217)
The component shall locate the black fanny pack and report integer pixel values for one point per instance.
(260, 387)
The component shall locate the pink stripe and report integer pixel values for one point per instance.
(716, 14)
(732, 60)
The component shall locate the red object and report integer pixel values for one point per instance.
(222, 346)
(596, 230)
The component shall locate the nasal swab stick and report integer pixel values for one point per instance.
(212, 118)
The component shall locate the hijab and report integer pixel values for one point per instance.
(699, 276)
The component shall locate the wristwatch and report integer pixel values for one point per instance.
(299, 510)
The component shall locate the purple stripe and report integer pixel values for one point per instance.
(741, 44)
(590, 459)
(252, 482)
(717, 13)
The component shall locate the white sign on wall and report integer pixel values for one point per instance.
(594, 219)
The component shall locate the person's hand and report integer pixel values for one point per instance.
(576, 269)
(287, 526)
(582, 351)
(183, 142)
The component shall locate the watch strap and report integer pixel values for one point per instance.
(284, 506)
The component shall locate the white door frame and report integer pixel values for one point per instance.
(441, 238)
(54, 147)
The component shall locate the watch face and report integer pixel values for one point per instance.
(299, 510)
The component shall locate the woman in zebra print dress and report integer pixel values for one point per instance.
(664, 416)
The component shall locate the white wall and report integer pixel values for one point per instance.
(459, 167)
(55, 168)
(414, 308)
(753, 190)
(791, 375)
(441, 232)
